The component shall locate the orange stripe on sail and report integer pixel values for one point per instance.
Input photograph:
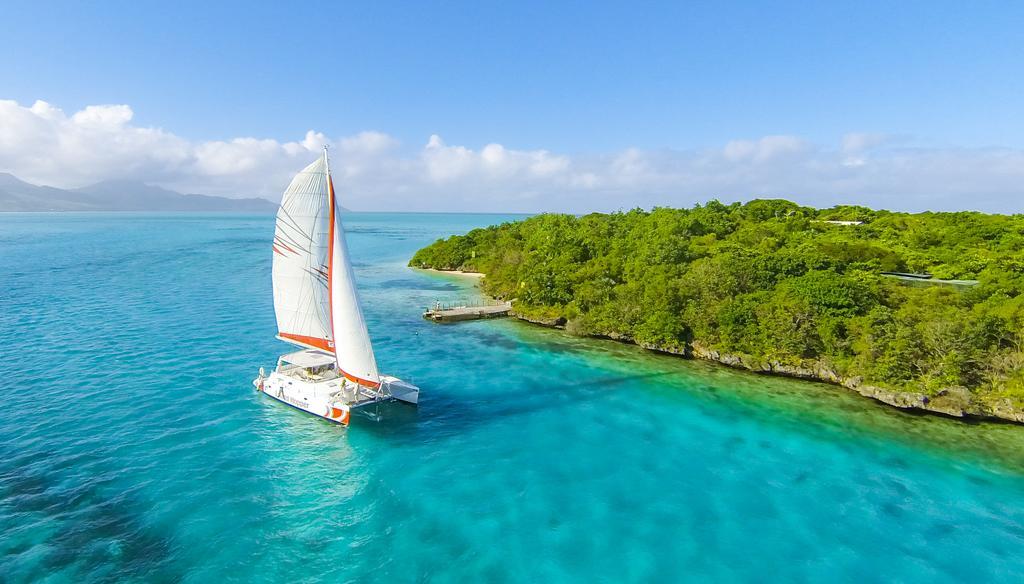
(277, 251)
(314, 342)
(359, 380)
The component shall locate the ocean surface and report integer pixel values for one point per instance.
(133, 448)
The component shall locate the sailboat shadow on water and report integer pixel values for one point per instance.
(445, 415)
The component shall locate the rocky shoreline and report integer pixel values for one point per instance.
(953, 402)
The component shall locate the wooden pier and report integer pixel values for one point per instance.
(458, 311)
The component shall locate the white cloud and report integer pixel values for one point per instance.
(101, 117)
(766, 149)
(446, 164)
(857, 142)
(855, 146)
(44, 145)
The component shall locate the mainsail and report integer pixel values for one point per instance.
(315, 296)
(301, 253)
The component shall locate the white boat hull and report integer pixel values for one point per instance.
(401, 390)
(333, 399)
(314, 398)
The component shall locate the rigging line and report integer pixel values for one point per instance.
(277, 242)
(286, 231)
(295, 224)
(286, 238)
(290, 243)
(310, 308)
(283, 234)
(318, 277)
(315, 272)
(283, 213)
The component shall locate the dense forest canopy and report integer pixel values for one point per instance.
(774, 280)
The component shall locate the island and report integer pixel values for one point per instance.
(17, 196)
(922, 311)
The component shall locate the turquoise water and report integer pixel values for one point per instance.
(133, 448)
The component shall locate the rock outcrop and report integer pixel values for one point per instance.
(956, 402)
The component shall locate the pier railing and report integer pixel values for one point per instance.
(458, 303)
(466, 309)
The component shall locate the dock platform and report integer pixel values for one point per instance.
(459, 311)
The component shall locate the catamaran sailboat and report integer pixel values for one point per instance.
(317, 308)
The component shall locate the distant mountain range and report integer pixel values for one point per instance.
(18, 195)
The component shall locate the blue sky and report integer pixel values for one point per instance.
(584, 80)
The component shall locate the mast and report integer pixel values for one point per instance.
(330, 247)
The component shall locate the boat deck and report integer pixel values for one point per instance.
(366, 397)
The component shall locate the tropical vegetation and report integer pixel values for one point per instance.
(775, 281)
